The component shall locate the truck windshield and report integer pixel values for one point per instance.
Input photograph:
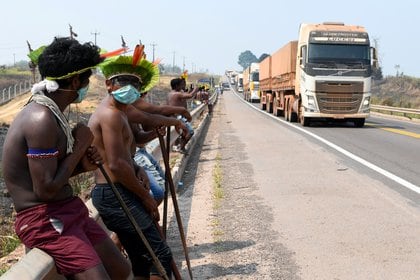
(339, 53)
(255, 77)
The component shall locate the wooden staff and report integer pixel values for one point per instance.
(165, 198)
(156, 261)
(174, 199)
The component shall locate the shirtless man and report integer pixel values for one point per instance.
(41, 153)
(113, 138)
(146, 160)
(178, 97)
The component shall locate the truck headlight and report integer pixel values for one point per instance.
(311, 103)
(366, 104)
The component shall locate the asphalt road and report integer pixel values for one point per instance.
(318, 213)
(391, 146)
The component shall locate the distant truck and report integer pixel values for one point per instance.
(251, 83)
(240, 82)
(326, 74)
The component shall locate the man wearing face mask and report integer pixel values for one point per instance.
(41, 152)
(126, 77)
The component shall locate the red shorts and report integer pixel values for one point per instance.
(63, 230)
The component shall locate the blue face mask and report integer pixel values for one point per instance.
(126, 95)
(82, 94)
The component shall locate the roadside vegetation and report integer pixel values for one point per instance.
(397, 91)
(218, 196)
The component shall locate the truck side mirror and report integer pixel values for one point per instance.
(374, 56)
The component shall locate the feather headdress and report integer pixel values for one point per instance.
(132, 65)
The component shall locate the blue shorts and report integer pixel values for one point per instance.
(154, 172)
(187, 124)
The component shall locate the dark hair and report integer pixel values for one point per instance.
(67, 55)
(176, 83)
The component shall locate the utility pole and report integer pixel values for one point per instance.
(397, 67)
(153, 50)
(173, 62)
(183, 63)
(96, 33)
(14, 60)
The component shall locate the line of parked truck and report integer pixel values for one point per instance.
(325, 74)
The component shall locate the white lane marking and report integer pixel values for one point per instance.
(360, 160)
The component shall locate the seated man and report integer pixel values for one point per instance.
(114, 138)
(41, 152)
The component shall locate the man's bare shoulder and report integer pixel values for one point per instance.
(35, 117)
(107, 115)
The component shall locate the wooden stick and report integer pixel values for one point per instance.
(165, 198)
(156, 261)
(174, 200)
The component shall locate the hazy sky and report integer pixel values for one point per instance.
(208, 35)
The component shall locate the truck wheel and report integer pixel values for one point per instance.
(293, 116)
(305, 121)
(286, 111)
(269, 107)
(359, 122)
(263, 106)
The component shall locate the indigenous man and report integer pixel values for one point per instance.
(41, 153)
(143, 157)
(125, 78)
(178, 97)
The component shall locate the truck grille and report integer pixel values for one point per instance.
(339, 97)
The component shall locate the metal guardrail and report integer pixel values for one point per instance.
(11, 92)
(36, 264)
(388, 109)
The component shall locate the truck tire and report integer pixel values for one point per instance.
(269, 107)
(263, 106)
(304, 121)
(286, 111)
(293, 116)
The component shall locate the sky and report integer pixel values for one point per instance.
(204, 35)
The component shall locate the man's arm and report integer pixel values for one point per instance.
(141, 136)
(153, 120)
(166, 110)
(188, 95)
(50, 176)
(119, 161)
